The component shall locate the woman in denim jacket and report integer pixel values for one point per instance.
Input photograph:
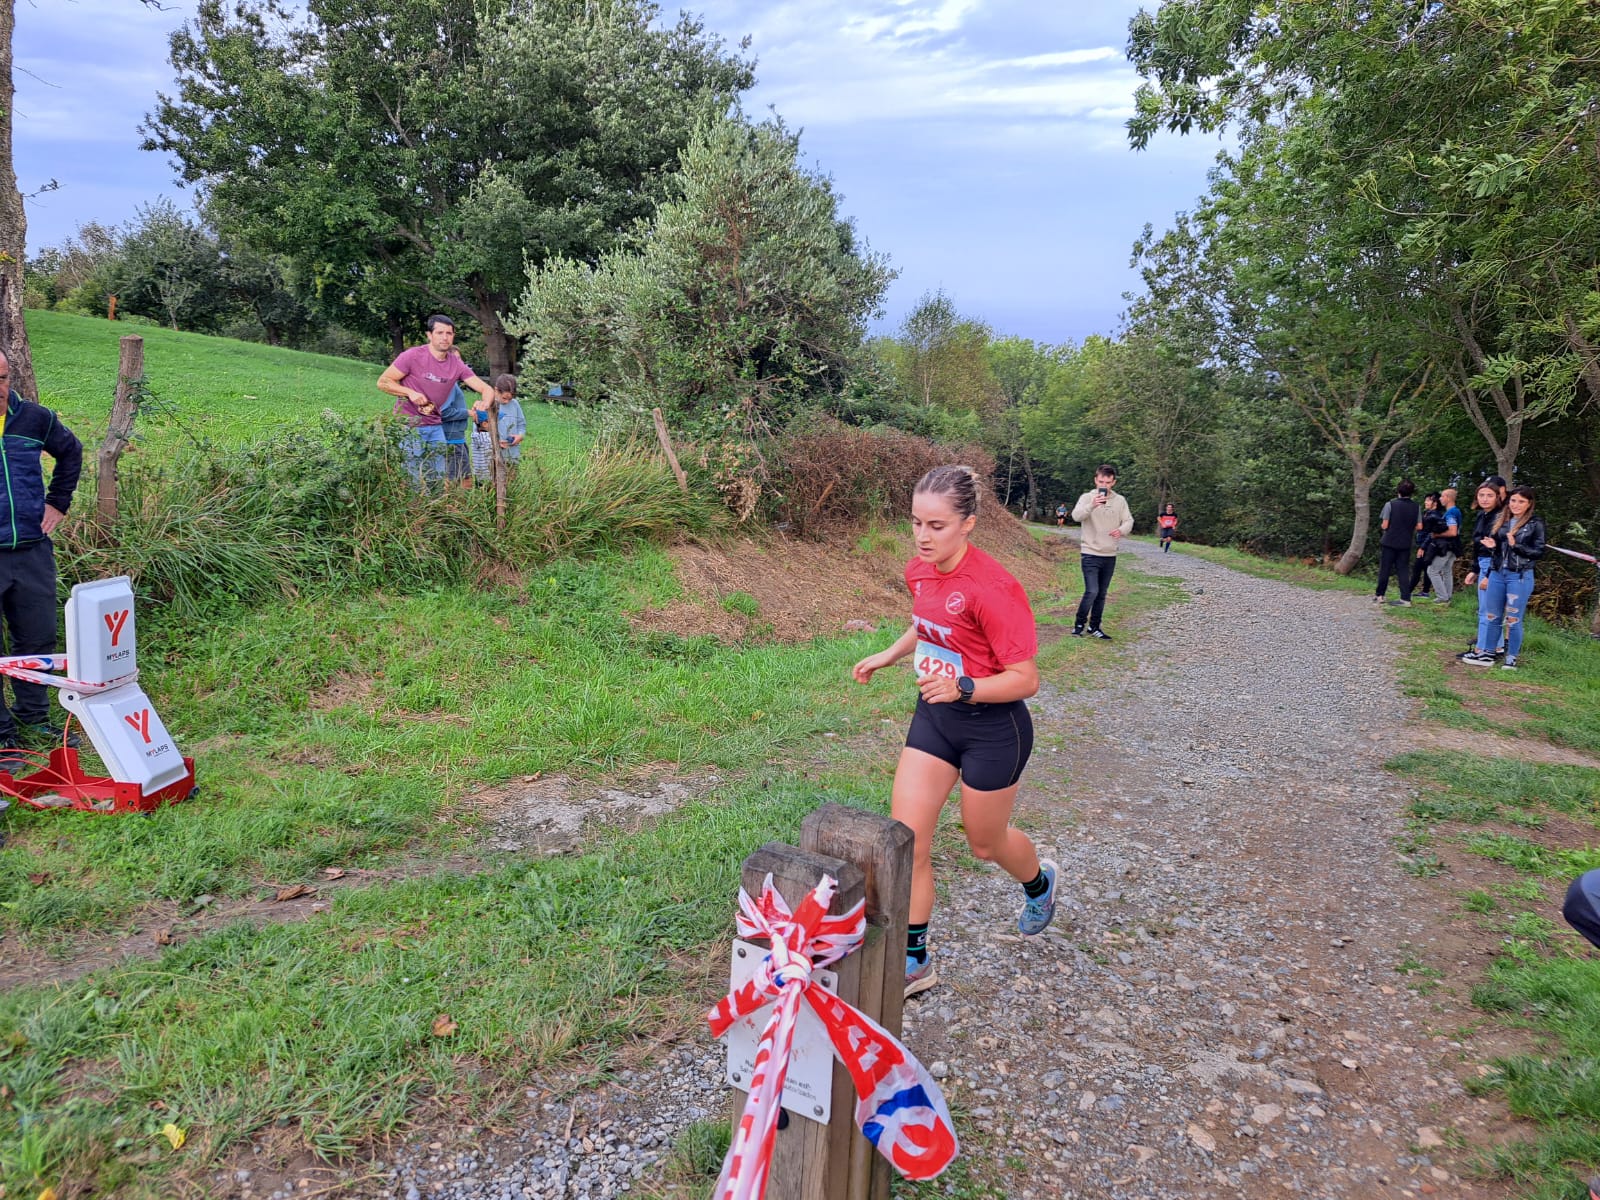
(1518, 541)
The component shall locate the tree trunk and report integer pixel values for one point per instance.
(1362, 484)
(13, 229)
(397, 333)
(1033, 486)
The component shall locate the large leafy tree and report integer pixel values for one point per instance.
(1471, 127)
(437, 147)
(1304, 288)
(744, 298)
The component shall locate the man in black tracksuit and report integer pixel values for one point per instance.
(30, 509)
(1402, 517)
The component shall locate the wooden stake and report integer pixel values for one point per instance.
(666, 445)
(124, 410)
(497, 467)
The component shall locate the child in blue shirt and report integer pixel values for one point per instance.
(513, 428)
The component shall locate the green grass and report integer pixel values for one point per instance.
(1283, 570)
(210, 389)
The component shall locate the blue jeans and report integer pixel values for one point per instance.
(424, 451)
(1503, 603)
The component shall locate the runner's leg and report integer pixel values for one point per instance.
(922, 784)
(986, 817)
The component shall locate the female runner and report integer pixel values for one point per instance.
(973, 637)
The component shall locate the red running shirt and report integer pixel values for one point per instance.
(1167, 521)
(973, 621)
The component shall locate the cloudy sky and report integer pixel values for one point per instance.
(978, 143)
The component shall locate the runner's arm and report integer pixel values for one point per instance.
(1017, 681)
(903, 645)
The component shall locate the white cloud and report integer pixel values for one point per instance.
(1061, 58)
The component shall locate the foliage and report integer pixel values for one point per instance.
(836, 475)
(421, 152)
(742, 300)
(327, 506)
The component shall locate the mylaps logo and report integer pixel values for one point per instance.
(114, 623)
(140, 722)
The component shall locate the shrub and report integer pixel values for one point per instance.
(834, 474)
(328, 507)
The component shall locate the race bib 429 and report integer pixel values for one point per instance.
(937, 661)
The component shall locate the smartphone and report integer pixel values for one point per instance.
(1103, 491)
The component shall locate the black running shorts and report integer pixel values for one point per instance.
(988, 743)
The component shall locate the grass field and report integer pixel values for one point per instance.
(217, 389)
(357, 733)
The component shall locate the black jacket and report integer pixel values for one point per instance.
(1519, 551)
(29, 429)
(1403, 518)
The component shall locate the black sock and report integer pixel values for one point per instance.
(917, 942)
(1037, 886)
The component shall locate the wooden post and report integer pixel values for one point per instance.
(497, 467)
(811, 1161)
(666, 445)
(111, 308)
(882, 848)
(870, 856)
(124, 409)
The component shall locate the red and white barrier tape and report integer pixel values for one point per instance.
(900, 1109)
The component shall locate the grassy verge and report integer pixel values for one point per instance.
(348, 734)
(1284, 570)
(210, 389)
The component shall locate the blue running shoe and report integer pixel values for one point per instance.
(1037, 913)
(920, 976)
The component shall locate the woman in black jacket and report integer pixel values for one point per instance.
(1518, 542)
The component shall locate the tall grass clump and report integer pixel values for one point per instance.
(329, 507)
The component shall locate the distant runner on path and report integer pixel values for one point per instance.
(973, 636)
(1168, 521)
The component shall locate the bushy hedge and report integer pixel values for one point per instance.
(832, 474)
(329, 507)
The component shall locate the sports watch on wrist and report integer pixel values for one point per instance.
(966, 687)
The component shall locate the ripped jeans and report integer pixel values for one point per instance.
(1503, 603)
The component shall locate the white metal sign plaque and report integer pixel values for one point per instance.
(808, 1088)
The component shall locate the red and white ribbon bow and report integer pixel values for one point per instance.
(899, 1107)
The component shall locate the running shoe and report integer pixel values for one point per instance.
(920, 976)
(44, 736)
(1077, 631)
(1510, 664)
(1101, 634)
(1476, 659)
(1399, 604)
(15, 763)
(1038, 911)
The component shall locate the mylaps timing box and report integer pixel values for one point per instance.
(101, 642)
(102, 647)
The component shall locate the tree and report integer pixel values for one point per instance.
(1303, 287)
(13, 227)
(169, 267)
(1021, 371)
(940, 357)
(438, 147)
(744, 298)
(1472, 127)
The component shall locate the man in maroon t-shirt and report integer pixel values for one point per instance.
(421, 380)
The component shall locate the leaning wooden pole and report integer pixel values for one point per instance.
(497, 465)
(666, 446)
(124, 410)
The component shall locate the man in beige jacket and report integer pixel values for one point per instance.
(1106, 520)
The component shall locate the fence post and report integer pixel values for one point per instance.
(811, 1161)
(124, 409)
(882, 848)
(666, 445)
(870, 857)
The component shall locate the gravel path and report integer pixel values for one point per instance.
(1236, 998)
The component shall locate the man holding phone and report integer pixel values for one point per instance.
(1106, 520)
